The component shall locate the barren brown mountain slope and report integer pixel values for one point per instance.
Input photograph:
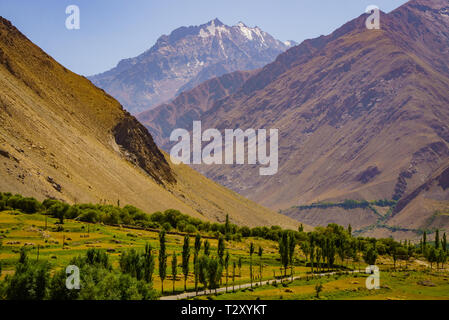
(62, 137)
(362, 114)
(358, 218)
(426, 207)
(190, 106)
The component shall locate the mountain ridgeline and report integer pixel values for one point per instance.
(186, 58)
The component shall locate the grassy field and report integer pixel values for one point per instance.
(17, 230)
(411, 285)
(48, 243)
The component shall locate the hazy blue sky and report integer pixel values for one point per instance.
(115, 29)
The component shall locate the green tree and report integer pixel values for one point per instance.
(260, 253)
(444, 243)
(174, 269)
(203, 265)
(31, 281)
(318, 289)
(291, 251)
(240, 267)
(442, 257)
(58, 210)
(162, 259)
(251, 252)
(195, 259)
(214, 273)
(226, 265)
(148, 263)
(437, 239)
(424, 243)
(186, 259)
(221, 249)
(431, 256)
(370, 255)
(305, 249)
(227, 225)
(284, 251)
(233, 276)
(206, 248)
(394, 255)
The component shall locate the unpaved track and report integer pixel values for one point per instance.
(188, 295)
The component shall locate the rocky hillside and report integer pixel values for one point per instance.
(189, 106)
(186, 58)
(62, 137)
(426, 207)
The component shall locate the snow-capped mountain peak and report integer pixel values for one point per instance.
(185, 58)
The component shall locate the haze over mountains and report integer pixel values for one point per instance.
(362, 114)
(186, 58)
(62, 137)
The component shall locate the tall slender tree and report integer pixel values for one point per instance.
(206, 248)
(221, 249)
(203, 266)
(251, 252)
(227, 225)
(162, 259)
(312, 256)
(226, 265)
(174, 269)
(284, 250)
(431, 256)
(437, 239)
(444, 242)
(195, 259)
(291, 251)
(186, 259)
(214, 273)
(260, 253)
(424, 242)
(233, 276)
(305, 249)
(148, 263)
(240, 267)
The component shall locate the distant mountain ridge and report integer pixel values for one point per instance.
(186, 58)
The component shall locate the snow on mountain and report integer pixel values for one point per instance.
(186, 58)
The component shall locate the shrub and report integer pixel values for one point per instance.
(26, 205)
(30, 280)
(190, 229)
(166, 226)
(90, 215)
(49, 202)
